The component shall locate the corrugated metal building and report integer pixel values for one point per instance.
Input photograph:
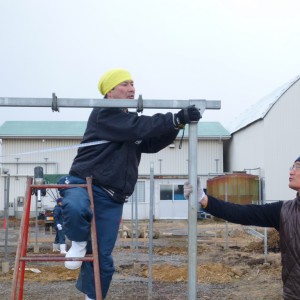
(265, 140)
(52, 145)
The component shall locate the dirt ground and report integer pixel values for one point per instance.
(228, 268)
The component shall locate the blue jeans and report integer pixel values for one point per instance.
(59, 237)
(77, 219)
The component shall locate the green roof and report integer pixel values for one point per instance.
(42, 129)
(209, 130)
(75, 129)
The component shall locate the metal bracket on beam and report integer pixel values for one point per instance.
(140, 107)
(54, 103)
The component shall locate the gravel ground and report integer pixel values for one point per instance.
(239, 271)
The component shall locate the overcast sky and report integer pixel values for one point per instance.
(236, 51)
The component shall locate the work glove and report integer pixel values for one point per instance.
(187, 189)
(186, 116)
(59, 227)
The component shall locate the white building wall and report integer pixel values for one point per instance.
(246, 149)
(130, 211)
(174, 161)
(282, 144)
(22, 166)
(51, 161)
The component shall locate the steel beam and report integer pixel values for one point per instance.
(56, 103)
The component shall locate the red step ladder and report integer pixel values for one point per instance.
(21, 255)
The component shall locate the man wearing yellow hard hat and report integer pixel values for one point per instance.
(112, 79)
(113, 166)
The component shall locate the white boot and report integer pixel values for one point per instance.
(55, 247)
(78, 249)
(63, 249)
(87, 298)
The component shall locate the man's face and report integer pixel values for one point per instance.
(294, 179)
(124, 90)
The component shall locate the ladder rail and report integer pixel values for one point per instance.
(97, 278)
(25, 239)
(21, 244)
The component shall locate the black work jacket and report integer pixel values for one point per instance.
(114, 165)
(267, 215)
(58, 215)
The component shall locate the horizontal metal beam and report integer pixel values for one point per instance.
(56, 103)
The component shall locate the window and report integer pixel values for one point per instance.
(140, 192)
(166, 192)
(178, 192)
(20, 201)
(171, 192)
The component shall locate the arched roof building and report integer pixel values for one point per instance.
(265, 140)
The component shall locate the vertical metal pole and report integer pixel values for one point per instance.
(262, 200)
(226, 223)
(150, 236)
(192, 214)
(132, 203)
(36, 220)
(46, 165)
(136, 224)
(266, 244)
(6, 203)
(39, 180)
(17, 166)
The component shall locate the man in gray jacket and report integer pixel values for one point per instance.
(284, 216)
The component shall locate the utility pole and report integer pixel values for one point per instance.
(5, 263)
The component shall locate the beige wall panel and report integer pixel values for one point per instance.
(169, 161)
(247, 148)
(175, 161)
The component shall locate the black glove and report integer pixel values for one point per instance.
(186, 116)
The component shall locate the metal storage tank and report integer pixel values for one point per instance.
(241, 188)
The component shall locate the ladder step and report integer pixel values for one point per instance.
(55, 258)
